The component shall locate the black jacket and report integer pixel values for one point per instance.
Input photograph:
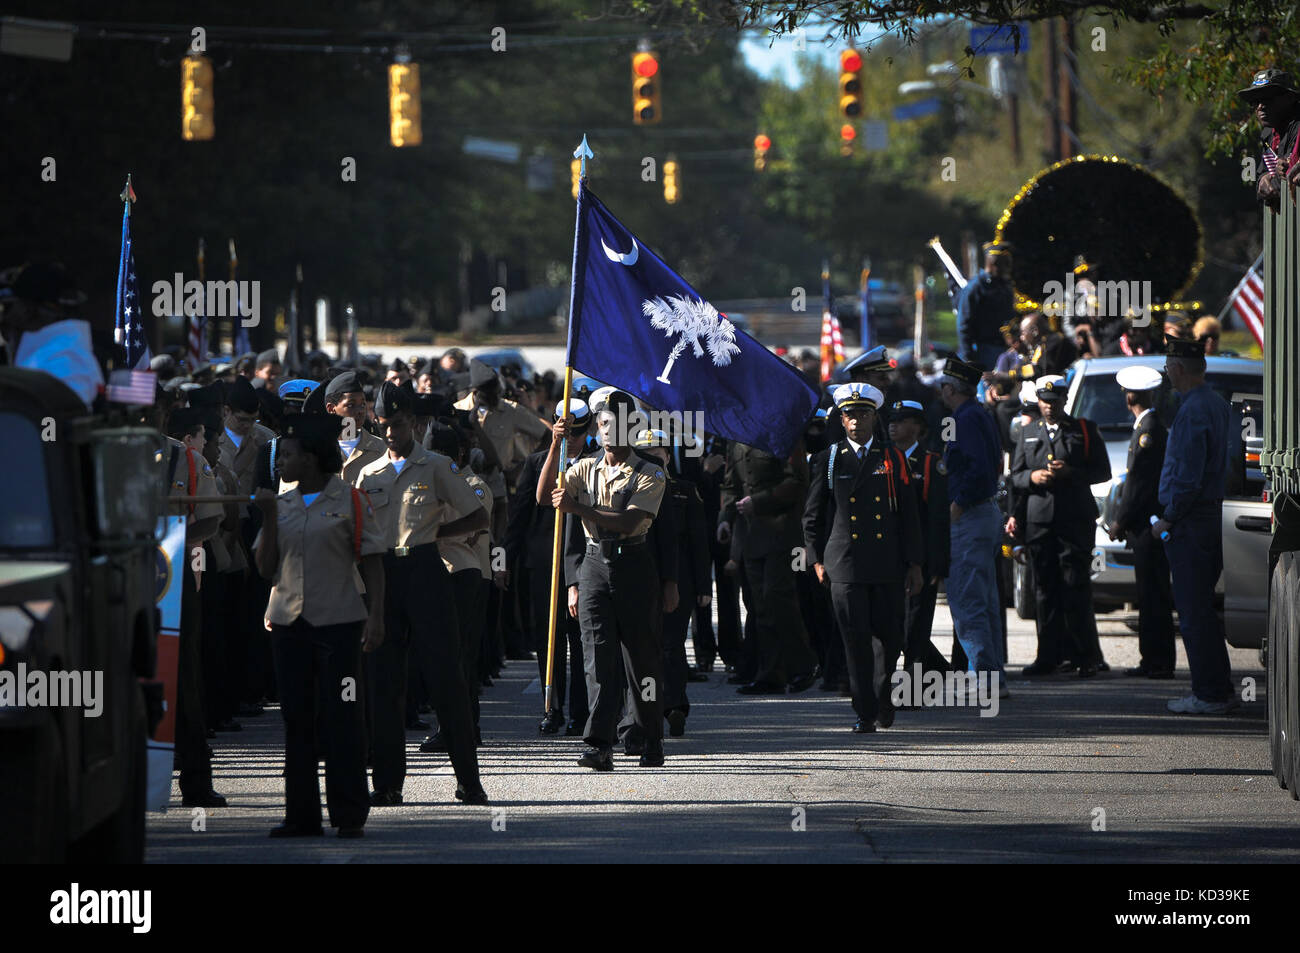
(1068, 502)
(777, 487)
(930, 487)
(1137, 499)
(850, 523)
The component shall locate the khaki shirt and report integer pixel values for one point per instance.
(634, 484)
(227, 547)
(369, 448)
(316, 577)
(243, 461)
(205, 484)
(503, 425)
(469, 552)
(410, 506)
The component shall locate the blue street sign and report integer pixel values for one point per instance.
(922, 107)
(997, 40)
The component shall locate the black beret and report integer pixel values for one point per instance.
(444, 439)
(320, 427)
(391, 399)
(241, 396)
(213, 395)
(270, 403)
(480, 373)
(346, 383)
(183, 420)
(398, 365)
(428, 369)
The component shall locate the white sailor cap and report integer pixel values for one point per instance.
(577, 410)
(651, 438)
(1051, 387)
(857, 394)
(1138, 377)
(1028, 392)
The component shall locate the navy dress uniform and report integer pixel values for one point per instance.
(862, 526)
(1192, 485)
(1053, 468)
(1138, 502)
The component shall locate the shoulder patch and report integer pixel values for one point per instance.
(478, 491)
(941, 467)
(659, 474)
(1144, 440)
(454, 468)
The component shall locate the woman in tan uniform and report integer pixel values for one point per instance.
(313, 537)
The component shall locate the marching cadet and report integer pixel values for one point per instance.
(312, 537)
(190, 475)
(863, 533)
(1056, 461)
(418, 497)
(616, 496)
(907, 428)
(1192, 481)
(692, 587)
(1138, 502)
(345, 397)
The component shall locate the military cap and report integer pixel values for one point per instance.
(1028, 392)
(480, 373)
(399, 365)
(427, 405)
(1138, 377)
(162, 364)
(1181, 347)
(903, 409)
(445, 439)
(584, 385)
(314, 427)
(315, 402)
(296, 389)
(857, 394)
(578, 410)
(429, 369)
(957, 369)
(213, 395)
(349, 382)
(183, 420)
(241, 396)
(269, 356)
(391, 400)
(651, 438)
(875, 359)
(1266, 84)
(173, 385)
(1051, 387)
(270, 404)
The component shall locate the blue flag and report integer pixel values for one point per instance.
(637, 325)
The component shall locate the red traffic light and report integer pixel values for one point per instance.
(848, 133)
(645, 64)
(850, 61)
(762, 143)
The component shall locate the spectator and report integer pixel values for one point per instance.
(1273, 94)
(987, 303)
(1208, 331)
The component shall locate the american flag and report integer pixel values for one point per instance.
(1247, 300)
(132, 387)
(832, 343)
(129, 324)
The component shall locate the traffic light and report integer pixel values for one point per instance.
(575, 173)
(851, 84)
(848, 133)
(672, 188)
(645, 88)
(761, 144)
(404, 104)
(196, 99)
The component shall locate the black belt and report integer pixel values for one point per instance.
(403, 551)
(609, 548)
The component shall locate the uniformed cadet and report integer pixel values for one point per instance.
(190, 475)
(418, 497)
(345, 397)
(691, 587)
(1057, 459)
(314, 539)
(863, 535)
(875, 367)
(616, 497)
(1192, 482)
(1138, 502)
(767, 494)
(907, 429)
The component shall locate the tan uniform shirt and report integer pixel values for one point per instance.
(316, 577)
(243, 460)
(633, 484)
(411, 505)
(227, 548)
(369, 448)
(205, 484)
(503, 426)
(468, 552)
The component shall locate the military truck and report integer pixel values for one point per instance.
(1280, 463)
(78, 570)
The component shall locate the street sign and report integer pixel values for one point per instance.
(922, 107)
(875, 135)
(491, 149)
(990, 40)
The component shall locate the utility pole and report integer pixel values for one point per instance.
(1052, 106)
(1067, 114)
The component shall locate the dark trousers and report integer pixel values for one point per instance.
(471, 591)
(1155, 602)
(1067, 627)
(219, 704)
(420, 629)
(539, 630)
(1195, 553)
(318, 667)
(867, 612)
(918, 620)
(191, 730)
(783, 650)
(676, 669)
(617, 600)
(727, 599)
(819, 622)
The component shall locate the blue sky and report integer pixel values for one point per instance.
(773, 59)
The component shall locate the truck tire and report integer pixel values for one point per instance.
(119, 838)
(1275, 680)
(1023, 590)
(33, 796)
(1291, 746)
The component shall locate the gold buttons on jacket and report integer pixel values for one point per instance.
(853, 519)
(854, 499)
(877, 516)
(855, 535)
(877, 499)
(878, 536)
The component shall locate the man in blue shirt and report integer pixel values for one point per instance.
(972, 460)
(987, 303)
(1191, 500)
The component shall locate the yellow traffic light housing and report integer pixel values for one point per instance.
(646, 107)
(196, 99)
(672, 187)
(851, 84)
(575, 173)
(761, 145)
(404, 104)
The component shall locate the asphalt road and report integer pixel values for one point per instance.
(782, 779)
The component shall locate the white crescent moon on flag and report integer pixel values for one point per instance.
(629, 259)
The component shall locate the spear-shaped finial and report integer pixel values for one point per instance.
(584, 153)
(128, 193)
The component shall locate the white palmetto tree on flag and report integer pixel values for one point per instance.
(698, 324)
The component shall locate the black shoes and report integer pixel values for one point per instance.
(298, 830)
(573, 729)
(1037, 670)
(1137, 671)
(863, 727)
(1141, 671)
(598, 759)
(351, 833)
(697, 675)
(476, 796)
(433, 743)
(633, 747)
(1088, 671)
(759, 688)
(676, 722)
(208, 799)
(385, 798)
(654, 754)
(552, 723)
(801, 683)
